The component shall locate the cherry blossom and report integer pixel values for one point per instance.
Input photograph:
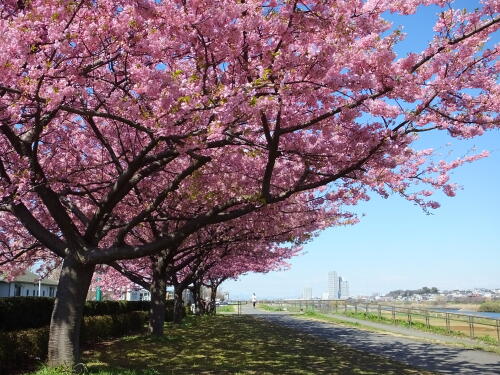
(175, 116)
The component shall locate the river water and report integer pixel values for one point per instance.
(481, 314)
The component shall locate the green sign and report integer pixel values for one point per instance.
(98, 294)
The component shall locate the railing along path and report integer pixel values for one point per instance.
(484, 328)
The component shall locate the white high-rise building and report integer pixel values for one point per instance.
(333, 285)
(344, 290)
(307, 293)
(337, 287)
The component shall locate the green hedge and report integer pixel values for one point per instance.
(34, 312)
(96, 328)
(114, 307)
(19, 349)
(25, 312)
(25, 348)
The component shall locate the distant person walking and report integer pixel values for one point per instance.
(254, 300)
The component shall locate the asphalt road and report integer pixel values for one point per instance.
(414, 352)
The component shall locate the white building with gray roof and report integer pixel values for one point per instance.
(28, 285)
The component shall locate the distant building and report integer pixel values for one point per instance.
(337, 287)
(333, 285)
(307, 293)
(28, 284)
(339, 296)
(137, 294)
(325, 295)
(344, 290)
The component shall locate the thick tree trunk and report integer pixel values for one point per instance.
(178, 304)
(158, 297)
(64, 334)
(198, 300)
(213, 297)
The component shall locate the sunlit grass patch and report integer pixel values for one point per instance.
(226, 309)
(270, 307)
(231, 344)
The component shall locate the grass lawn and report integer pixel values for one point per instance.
(270, 307)
(226, 309)
(230, 344)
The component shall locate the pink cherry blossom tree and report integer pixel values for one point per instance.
(292, 221)
(241, 262)
(116, 115)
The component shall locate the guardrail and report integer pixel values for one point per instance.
(487, 329)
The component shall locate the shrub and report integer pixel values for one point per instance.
(100, 327)
(114, 307)
(25, 312)
(19, 348)
(34, 312)
(23, 348)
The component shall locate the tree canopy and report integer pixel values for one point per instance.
(175, 115)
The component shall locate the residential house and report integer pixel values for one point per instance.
(136, 294)
(28, 285)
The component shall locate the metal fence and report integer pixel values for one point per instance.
(237, 306)
(487, 329)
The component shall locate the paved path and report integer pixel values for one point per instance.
(425, 355)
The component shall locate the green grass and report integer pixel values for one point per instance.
(85, 370)
(226, 309)
(230, 344)
(488, 340)
(382, 319)
(401, 323)
(270, 308)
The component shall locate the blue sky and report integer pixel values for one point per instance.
(396, 245)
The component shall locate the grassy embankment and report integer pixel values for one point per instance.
(401, 321)
(230, 344)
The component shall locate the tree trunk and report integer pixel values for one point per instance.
(158, 291)
(200, 306)
(178, 304)
(67, 316)
(213, 296)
